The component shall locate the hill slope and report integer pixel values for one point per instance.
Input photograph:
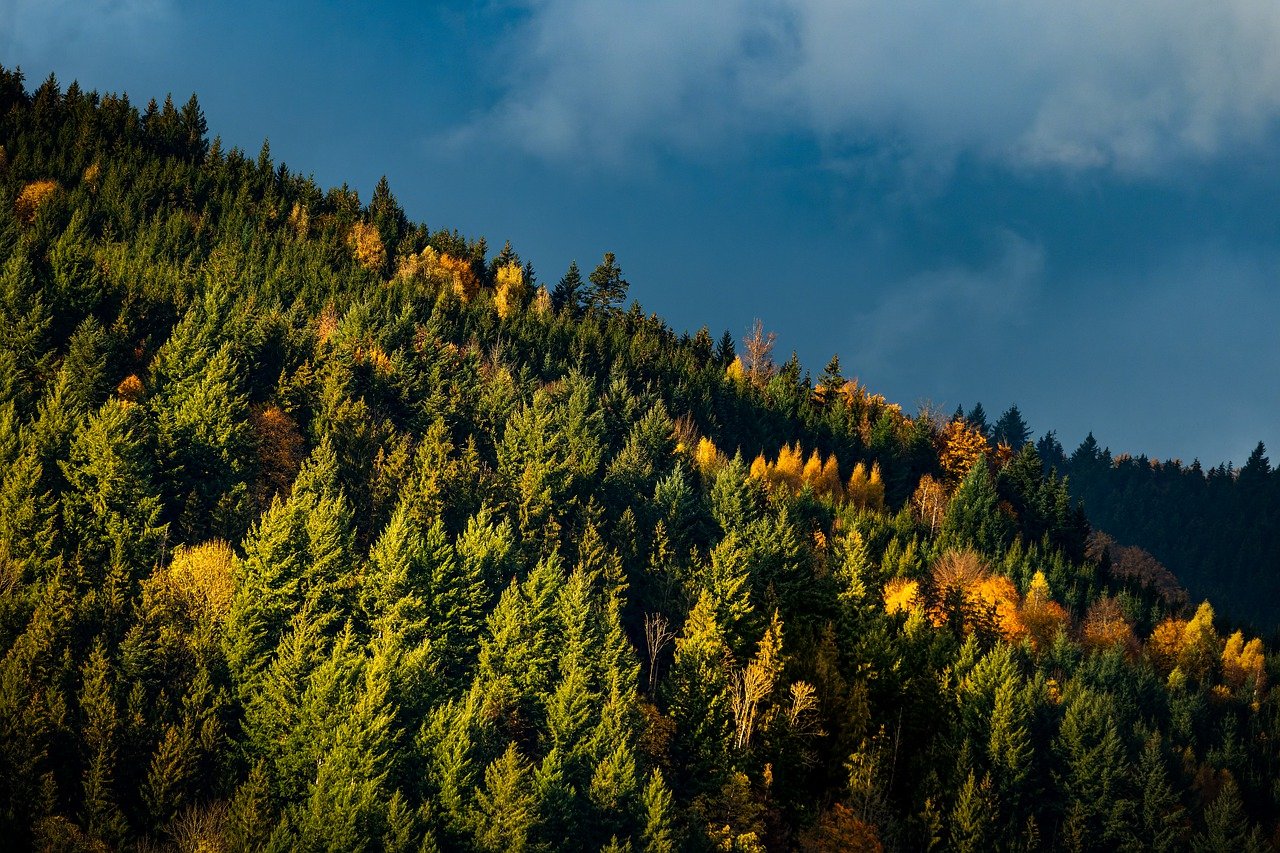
(324, 530)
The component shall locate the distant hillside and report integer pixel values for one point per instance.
(323, 530)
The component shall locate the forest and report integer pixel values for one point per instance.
(321, 529)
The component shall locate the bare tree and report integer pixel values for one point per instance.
(657, 633)
(759, 347)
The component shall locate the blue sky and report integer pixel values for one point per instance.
(1071, 207)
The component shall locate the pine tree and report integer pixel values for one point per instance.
(608, 287)
(568, 292)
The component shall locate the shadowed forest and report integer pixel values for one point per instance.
(321, 529)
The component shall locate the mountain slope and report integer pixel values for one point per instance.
(324, 530)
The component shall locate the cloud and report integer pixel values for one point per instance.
(1136, 88)
(55, 31)
(960, 310)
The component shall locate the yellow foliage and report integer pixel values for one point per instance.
(460, 276)
(1164, 646)
(509, 290)
(865, 491)
(376, 358)
(1244, 663)
(961, 446)
(130, 388)
(542, 302)
(92, 174)
(929, 502)
(829, 483)
(997, 593)
(735, 372)
(33, 196)
(707, 457)
(790, 466)
(366, 244)
(327, 324)
(901, 595)
(1200, 644)
(300, 219)
(759, 469)
(424, 266)
(812, 472)
(204, 574)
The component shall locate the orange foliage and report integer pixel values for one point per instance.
(1042, 617)
(460, 276)
(1164, 646)
(280, 451)
(33, 196)
(1105, 626)
(130, 388)
(840, 830)
(961, 446)
(366, 244)
(327, 324)
(998, 594)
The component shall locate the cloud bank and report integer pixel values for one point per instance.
(1136, 88)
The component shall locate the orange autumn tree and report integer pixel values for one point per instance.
(1042, 617)
(1106, 627)
(959, 446)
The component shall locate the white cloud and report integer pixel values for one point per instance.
(1137, 87)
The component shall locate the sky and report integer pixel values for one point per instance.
(1070, 207)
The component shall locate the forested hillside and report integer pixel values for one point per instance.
(323, 530)
(1218, 530)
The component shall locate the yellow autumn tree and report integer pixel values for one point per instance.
(735, 372)
(759, 469)
(997, 595)
(708, 459)
(956, 576)
(901, 595)
(960, 445)
(1244, 664)
(205, 575)
(865, 490)
(812, 472)
(829, 479)
(1164, 646)
(366, 245)
(509, 290)
(130, 388)
(789, 468)
(1201, 648)
(542, 302)
(33, 197)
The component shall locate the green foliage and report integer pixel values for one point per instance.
(305, 548)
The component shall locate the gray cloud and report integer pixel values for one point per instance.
(1136, 88)
(59, 29)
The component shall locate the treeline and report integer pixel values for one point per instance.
(320, 529)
